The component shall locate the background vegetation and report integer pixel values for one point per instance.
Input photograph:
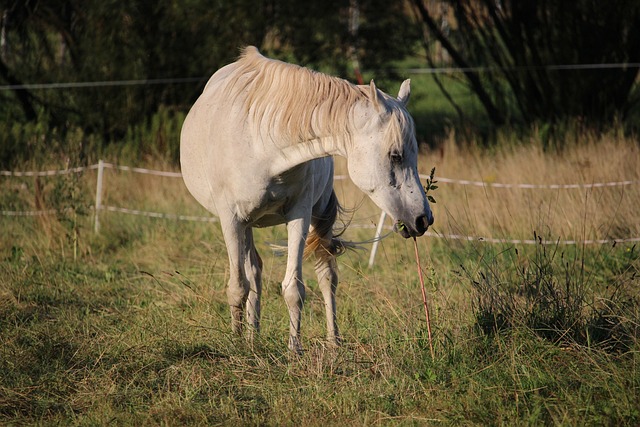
(518, 60)
(549, 61)
(110, 42)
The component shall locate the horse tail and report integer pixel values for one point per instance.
(323, 240)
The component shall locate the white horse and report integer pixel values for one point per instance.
(255, 151)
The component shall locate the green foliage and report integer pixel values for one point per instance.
(69, 200)
(105, 41)
(108, 41)
(20, 141)
(430, 185)
(157, 137)
(527, 46)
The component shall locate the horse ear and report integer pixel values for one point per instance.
(405, 92)
(374, 94)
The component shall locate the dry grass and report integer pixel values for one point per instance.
(565, 214)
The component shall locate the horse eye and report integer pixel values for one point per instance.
(396, 157)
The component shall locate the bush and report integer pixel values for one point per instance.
(553, 294)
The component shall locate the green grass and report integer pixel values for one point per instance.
(136, 331)
(131, 326)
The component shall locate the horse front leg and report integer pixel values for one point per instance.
(292, 285)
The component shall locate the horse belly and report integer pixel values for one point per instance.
(283, 198)
(269, 220)
(193, 159)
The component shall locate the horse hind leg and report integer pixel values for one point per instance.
(327, 271)
(239, 285)
(253, 270)
(325, 246)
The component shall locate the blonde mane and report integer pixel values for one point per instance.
(300, 104)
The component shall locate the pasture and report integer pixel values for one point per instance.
(131, 326)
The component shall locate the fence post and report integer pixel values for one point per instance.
(376, 240)
(99, 196)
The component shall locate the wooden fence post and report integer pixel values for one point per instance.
(99, 196)
(376, 240)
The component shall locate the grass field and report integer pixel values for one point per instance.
(131, 326)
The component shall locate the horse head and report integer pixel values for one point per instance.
(382, 159)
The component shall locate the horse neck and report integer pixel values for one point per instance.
(298, 153)
(334, 139)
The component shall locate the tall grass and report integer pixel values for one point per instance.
(133, 328)
(565, 214)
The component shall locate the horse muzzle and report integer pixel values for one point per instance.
(417, 229)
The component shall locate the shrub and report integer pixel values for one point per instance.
(552, 293)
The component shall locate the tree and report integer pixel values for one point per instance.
(108, 40)
(318, 33)
(547, 60)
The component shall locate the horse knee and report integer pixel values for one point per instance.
(293, 292)
(238, 292)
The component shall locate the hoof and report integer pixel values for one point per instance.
(295, 346)
(334, 342)
(236, 320)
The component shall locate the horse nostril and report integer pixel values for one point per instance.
(422, 223)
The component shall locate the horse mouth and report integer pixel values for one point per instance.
(402, 229)
(422, 223)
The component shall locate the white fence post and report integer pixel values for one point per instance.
(376, 240)
(99, 196)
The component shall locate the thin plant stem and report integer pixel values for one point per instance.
(424, 297)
